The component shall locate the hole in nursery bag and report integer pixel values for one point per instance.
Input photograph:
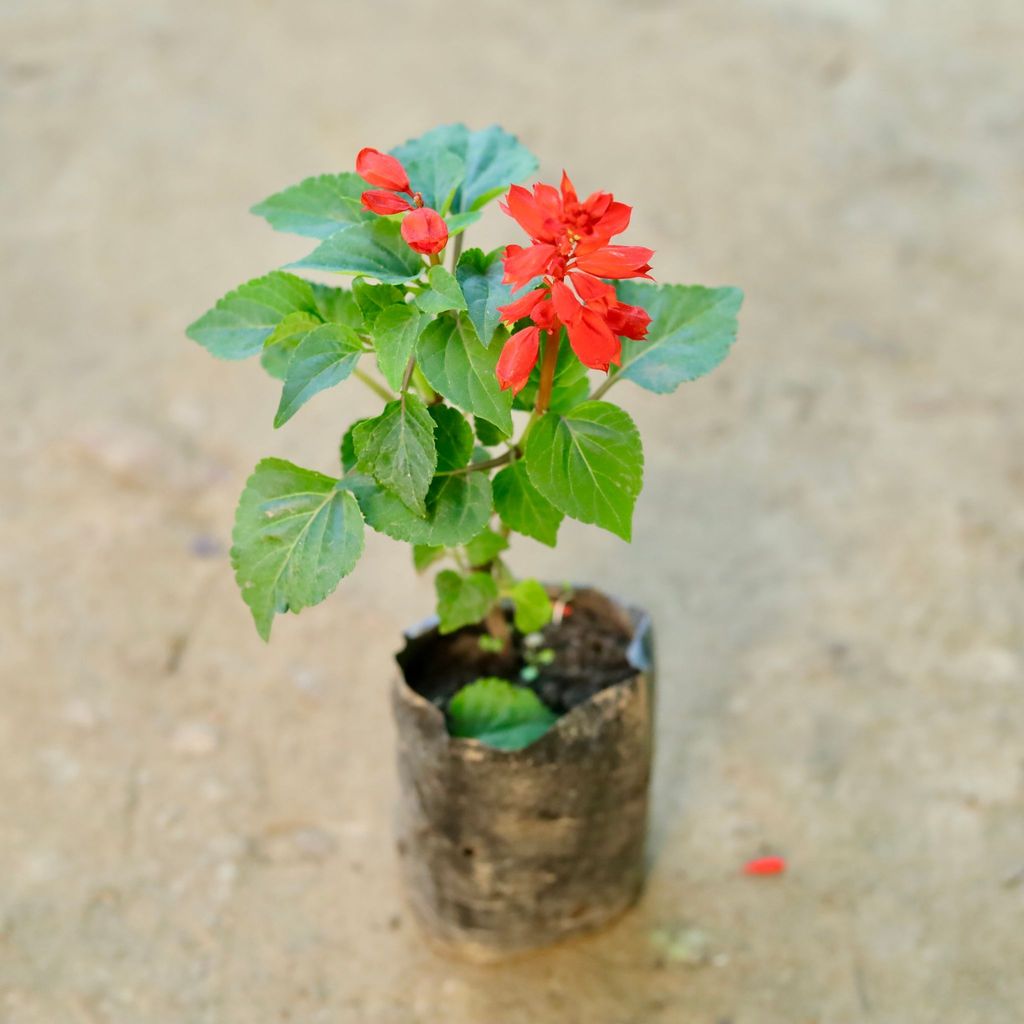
(588, 653)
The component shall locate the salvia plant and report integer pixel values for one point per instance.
(492, 369)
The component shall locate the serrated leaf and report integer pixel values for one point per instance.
(453, 437)
(531, 606)
(373, 299)
(241, 322)
(337, 305)
(458, 366)
(425, 555)
(436, 173)
(493, 160)
(499, 714)
(692, 329)
(444, 293)
(347, 448)
(374, 248)
(479, 277)
(589, 464)
(458, 222)
(485, 547)
(279, 348)
(487, 433)
(463, 600)
(458, 508)
(318, 206)
(395, 333)
(296, 535)
(325, 357)
(523, 508)
(397, 449)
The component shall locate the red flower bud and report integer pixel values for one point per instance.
(518, 358)
(425, 231)
(382, 170)
(381, 201)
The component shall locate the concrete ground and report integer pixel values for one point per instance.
(195, 827)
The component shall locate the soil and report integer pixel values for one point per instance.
(589, 645)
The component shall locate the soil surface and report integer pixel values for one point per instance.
(588, 643)
(195, 827)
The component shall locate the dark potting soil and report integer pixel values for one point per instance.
(589, 646)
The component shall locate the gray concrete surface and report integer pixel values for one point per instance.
(195, 828)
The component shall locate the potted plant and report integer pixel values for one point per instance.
(523, 708)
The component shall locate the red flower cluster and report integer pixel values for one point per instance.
(424, 230)
(570, 250)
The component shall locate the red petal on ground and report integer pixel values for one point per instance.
(425, 231)
(765, 866)
(382, 170)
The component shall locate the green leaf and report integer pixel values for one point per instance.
(397, 450)
(296, 535)
(487, 433)
(692, 329)
(523, 508)
(444, 293)
(317, 207)
(479, 276)
(532, 606)
(279, 348)
(425, 555)
(458, 222)
(492, 160)
(463, 600)
(373, 299)
(453, 437)
(242, 321)
(485, 547)
(374, 248)
(395, 333)
(589, 464)
(457, 365)
(570, 386)
(338, 306)
(324, 358)
(499, 714)
(436, 173)
(458, 508)
(347, 450)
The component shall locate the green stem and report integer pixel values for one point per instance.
(373, 385)
(457, 249)
(604, 386)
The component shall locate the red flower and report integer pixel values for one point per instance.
(570, 251)
(382, 170)
(518, 358)
(425, 231)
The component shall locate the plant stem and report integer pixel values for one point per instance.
(407, 376)
(457, 249)
(547, 372)
(474, 467)
(373, 385)
(604, 386)
(497, 626)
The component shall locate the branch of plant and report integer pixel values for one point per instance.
(602, 388)
(374, 385)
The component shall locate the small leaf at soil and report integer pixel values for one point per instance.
(499, 714)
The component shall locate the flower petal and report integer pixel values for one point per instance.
(521, 307)
(518, 358)
(617, 261)
(381, 201)
(567, 306)
(425, 231)
(628, 321)
(521, 206)
(590, 288)
(382, 170)
(593, 341)
(523, 265)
